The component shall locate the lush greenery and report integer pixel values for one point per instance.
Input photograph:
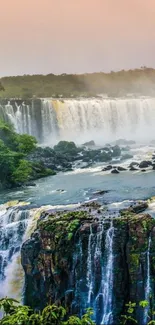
(1, 87)
(15, 169)
(138, 81)
(15, 314)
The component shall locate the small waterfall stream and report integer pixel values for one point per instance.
(148, 282)
(16, 226)
(108, 279)
(99, 276)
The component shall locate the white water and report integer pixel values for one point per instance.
(108, 279)
(16, 227)
(148, 283)
(89, 267)
(81, 120)
(95, 258)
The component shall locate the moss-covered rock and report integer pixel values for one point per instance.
(69, 250)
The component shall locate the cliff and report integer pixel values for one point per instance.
(83, 258)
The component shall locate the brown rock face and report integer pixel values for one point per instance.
(73, 255)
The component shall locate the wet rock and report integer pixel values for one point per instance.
(133, 163)
(138, 208)
(109, 167)
(89, 143)
(55, 259)
(30, 184)
(116, 151)
(121, 169)
(145, 164)
(132, 168)
(101, 192)
(114, 171)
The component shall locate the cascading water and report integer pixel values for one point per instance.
(83, 119)
(16, 226)
(13, 224)
(95, 289)
(108, 280)
(148, 282)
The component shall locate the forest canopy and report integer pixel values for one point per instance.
(139, 81)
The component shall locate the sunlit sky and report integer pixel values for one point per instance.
(75, 36)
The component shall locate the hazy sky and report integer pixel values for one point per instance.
(57, 36)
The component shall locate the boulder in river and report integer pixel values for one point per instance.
(132, 168)
(109, 167)
(145, 164)
(89, 144)
(121, 169)
(114, 171)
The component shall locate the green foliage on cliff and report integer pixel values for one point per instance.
(138, 81)
(15, 314)
(15, 169)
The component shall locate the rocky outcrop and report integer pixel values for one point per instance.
(73, 255)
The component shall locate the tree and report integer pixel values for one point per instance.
(23, 172)
(1, 87)
(14, 314)
(25, 143)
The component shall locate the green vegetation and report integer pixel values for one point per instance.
(1, 87)
(15, 169)
(66, 147)
(15, 314)
(138, 81)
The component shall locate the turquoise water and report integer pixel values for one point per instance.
(79, 187)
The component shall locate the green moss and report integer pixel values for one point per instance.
(134, 261)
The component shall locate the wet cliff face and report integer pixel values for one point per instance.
(82, 258)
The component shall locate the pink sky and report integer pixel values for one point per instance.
(73, 36)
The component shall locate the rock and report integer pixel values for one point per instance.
(145, 164)
(89, 144)
(143, 170)
(116, 151)
(109, 167)
(101, 192)
(114, 171)
(132, 168)
(121, 169)
(138, 208)
(133, 163)
(52, 274)
(127, 148)
(124, 142)
(30, 184)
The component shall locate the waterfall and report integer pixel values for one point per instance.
(81, 120)
(148, 282)
(13, 224)
(108, 279)
(16, 226)
(89, 267)
(99, 277)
